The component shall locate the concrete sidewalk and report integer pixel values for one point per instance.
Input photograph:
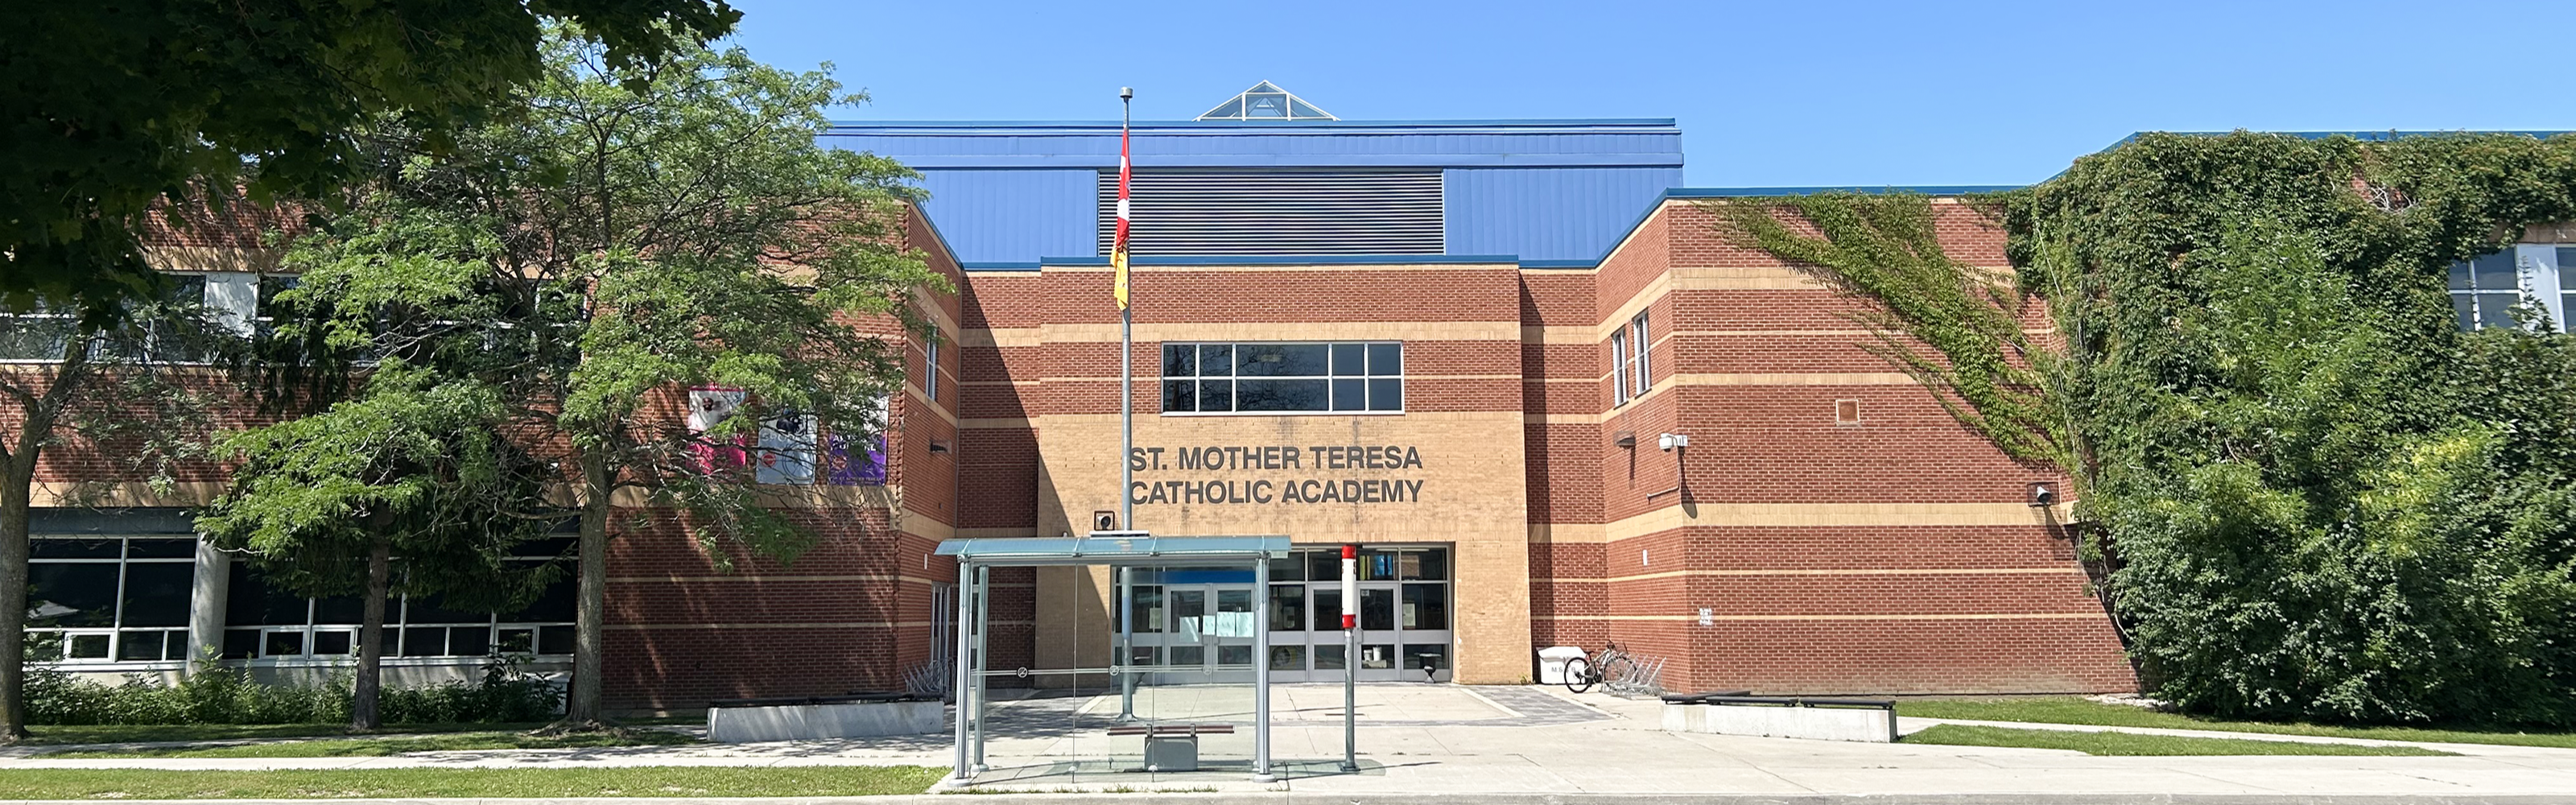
(1534, 743)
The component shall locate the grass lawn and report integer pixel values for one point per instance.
(2078, 710)
(56, 735)
(398, 744)
(641, 781)
(2130, 743)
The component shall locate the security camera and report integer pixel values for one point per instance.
(1672, 441)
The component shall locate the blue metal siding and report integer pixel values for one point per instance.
(1169, 146)
(1549, 213)
(1012, 215)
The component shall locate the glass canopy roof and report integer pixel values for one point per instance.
(1115, 548)
(1266, 101)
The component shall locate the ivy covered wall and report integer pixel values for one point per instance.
(2322, 498)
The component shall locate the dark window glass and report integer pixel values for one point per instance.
(555, 605)
(1287, 658)
(2496, 272)
(2465, 308)
(1144, 655)
(1328, 611)
(1216, 360)
(518, 641)
(161, 548)
(554, 640)
(1350, 359)
(1377, 657)
(71, 595)
(1350, 395)
(86, 647)
(1323, 565)
(1435, 565)
(1180, 360)
(1386, 395)
(1280, 360)
(429, 610)
(1234, 654)
(284, 644)
(348, 610)
(1418, 654)
(241, 644)
(1180, 395)
(1279, 395)
(1287, 607)
(1328, 657)
(251, 601)
(1145, 608)
(139, 646)
(424, 642)
(73, 548)
(2459, 280)
(334, 643)
(469, 642)
(1377, 609)
(177, 646)
(1189, 655)
(1216, 395)
(2496, 309)
(1426, 606)
(156, 593)
(1386, 359)
(1290, 568)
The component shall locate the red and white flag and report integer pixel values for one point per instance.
(1118, 246)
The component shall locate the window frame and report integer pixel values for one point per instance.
(2540, 275)
(1641, 373)
(116, 630)
(1234, 349)
(399, 625)
(1619, 367)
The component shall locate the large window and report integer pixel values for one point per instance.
(1262, 378)
(262, 620)
(109, 599)
(1631, 374)
(2507, 287)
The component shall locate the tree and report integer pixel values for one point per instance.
(413, 472)
(75, 382)
(634, 233)
(116, 109)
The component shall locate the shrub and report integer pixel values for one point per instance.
(219, 695)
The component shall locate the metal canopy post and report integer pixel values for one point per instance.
(983, 611)
(967, 614)
(1261, 670)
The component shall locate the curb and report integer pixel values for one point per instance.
(1298, 798)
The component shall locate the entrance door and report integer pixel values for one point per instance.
(1205, 635)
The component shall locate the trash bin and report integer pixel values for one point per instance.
(1551, 663)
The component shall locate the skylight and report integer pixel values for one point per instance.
(1266, 101)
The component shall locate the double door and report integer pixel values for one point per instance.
(1193, 633)
(1404, 633)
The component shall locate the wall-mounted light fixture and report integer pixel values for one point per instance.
(1625, 438)
(937, 446)
(2042, 496)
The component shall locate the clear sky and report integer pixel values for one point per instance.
(1767, 94)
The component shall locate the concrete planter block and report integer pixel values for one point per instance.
(1870, 725)
(805, 722)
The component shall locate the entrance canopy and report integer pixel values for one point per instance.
(1122, 551)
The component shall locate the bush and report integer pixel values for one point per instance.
(216, 695)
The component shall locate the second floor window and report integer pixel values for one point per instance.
(1290, 377)
(2487, 290)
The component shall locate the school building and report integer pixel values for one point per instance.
(1513, 360)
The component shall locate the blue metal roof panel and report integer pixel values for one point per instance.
(1000, 215)
(1547, 214)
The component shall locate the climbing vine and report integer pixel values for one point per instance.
(2328, 501)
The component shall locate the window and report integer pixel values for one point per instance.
(1641, 374)
(40, 335)
(2485, 290)
(109, 599)
(930, 368)
(1275, 378)
(1619, 368)
(262, 620)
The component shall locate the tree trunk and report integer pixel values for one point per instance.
(364, 716)
(17, 479)
(582, 707)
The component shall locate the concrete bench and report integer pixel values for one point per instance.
(807, 718)
(1827, 719)
(1172, 747)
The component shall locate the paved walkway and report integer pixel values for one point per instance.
(1421, 740)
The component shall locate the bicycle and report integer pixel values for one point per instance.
(1613, 665)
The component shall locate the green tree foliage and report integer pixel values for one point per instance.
(117, 107)
(410, 488)
(2327, 502)
(632, 233)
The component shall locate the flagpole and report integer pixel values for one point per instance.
(1126, 416)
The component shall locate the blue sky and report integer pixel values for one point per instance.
(1767, 94)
